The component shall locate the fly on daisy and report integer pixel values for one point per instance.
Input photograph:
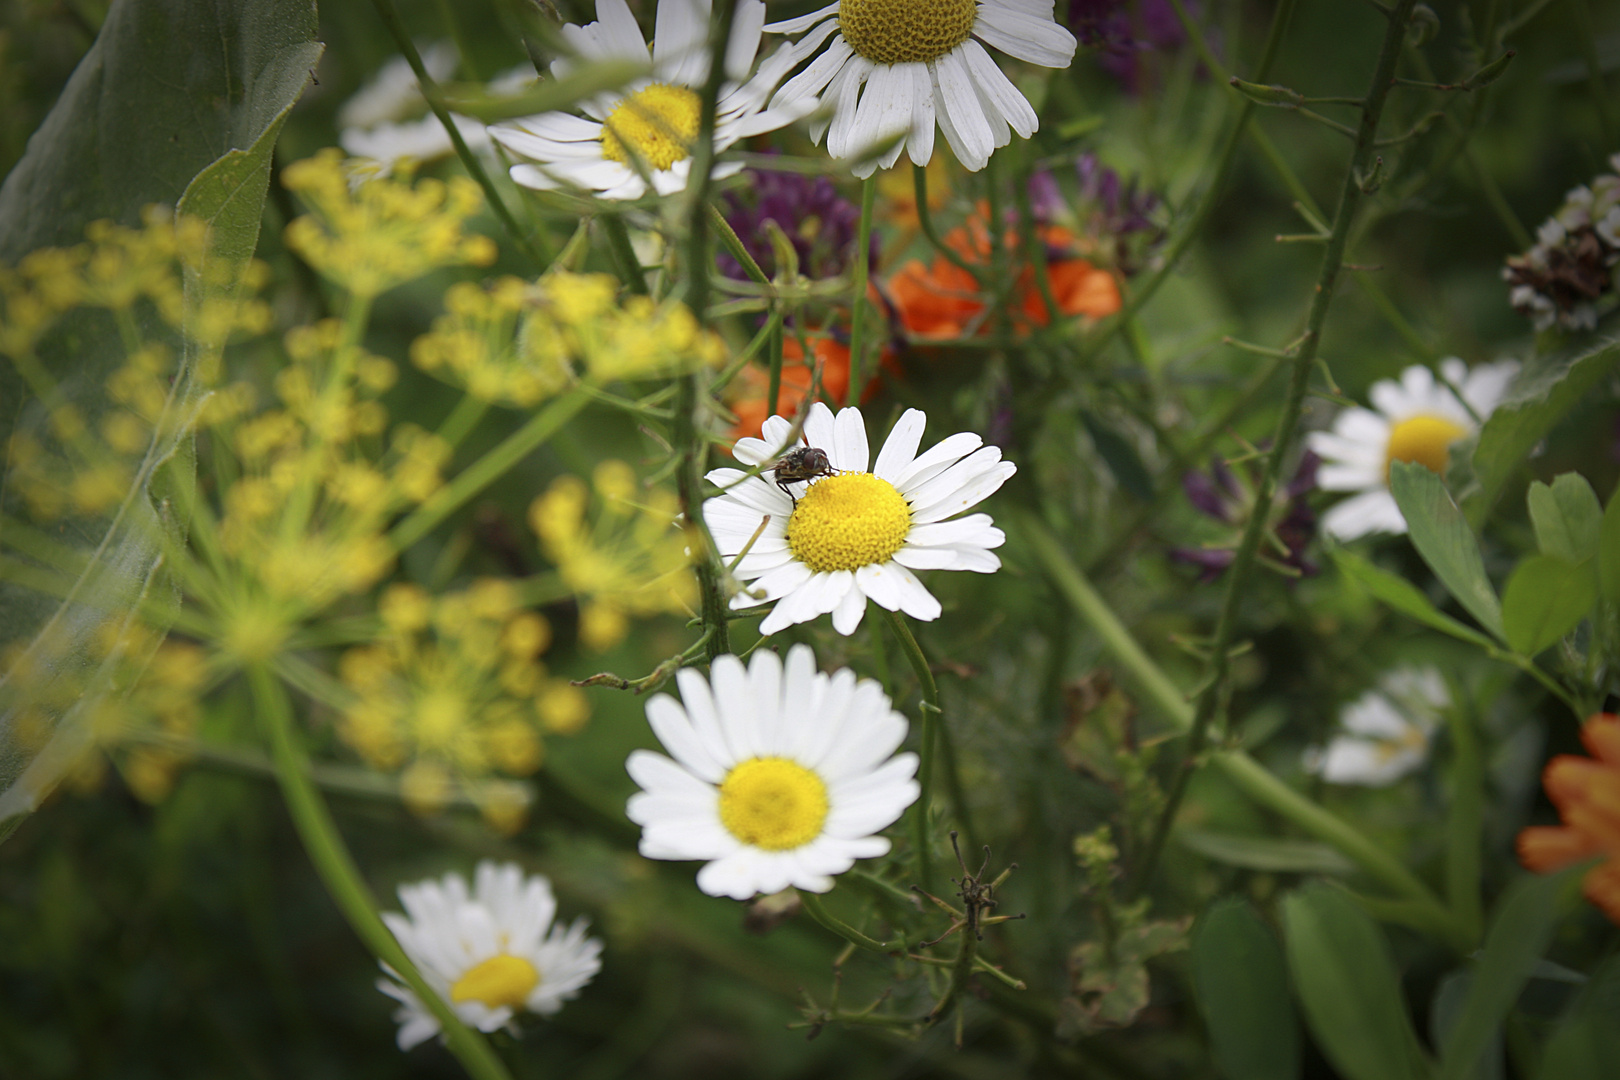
(827, 544)
(487, 950)
(642, 134)
(1417, 419)
(921, 63)
(781, 775)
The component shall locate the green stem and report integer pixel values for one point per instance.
(487, 469)
(469, 161)
(624, 253)
(1247, 774)
(1465, 823)
(818, 911)
(342, 878)
(1213, 700)
(733, 243)
(857, 301)
(462, 419)
(925, 219)
(933, 730)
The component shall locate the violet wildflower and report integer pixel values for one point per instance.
(1227, 497)
(1571, 266)
(1118, 219)
(821, 224)
(1123, 30)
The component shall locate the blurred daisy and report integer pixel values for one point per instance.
(841, 538)
(487, 952)
(921, 64)
(644, 132)
(781, 775)
(382, 123)
(1387, 730)
(1418, 419)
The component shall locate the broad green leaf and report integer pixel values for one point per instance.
(1346, 980)
(1403, 596)
(1444, 1012)
(1586, 1043)
(176, 102)
(1548, 388)
(1242, 982)
(1608, 558)
(1567, 517)
(1520, 929)
(1442, 536)
(1545, 599)
(1266, 853)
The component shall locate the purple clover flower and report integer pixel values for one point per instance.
(821, 224)
(1122, 30)
(1223, 495)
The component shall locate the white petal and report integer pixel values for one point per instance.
(1025, 36)
(920, 140)
(793, 26)
(971, 494)
(935, 459)
(670, 723)
(846, 617)
(956, 98)
(1372, 511)
(849, 450)
(999, 90)
(900, 448)
(701, 711)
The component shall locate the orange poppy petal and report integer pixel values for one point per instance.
(1601, 734)
(1545, 848)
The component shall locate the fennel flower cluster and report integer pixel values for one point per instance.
(385, 232)
(629, 559)
(452, 691)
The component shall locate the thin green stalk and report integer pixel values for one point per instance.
(624, 253)
(462, 419)
(474, 167)
(1247, 774)
(693, 450)
(925, 219)
(857, 301)
(733, 243)
(342, 878)
(817, 911)
(1213, 700)
(933, 730)
(1466, 823)
(487, 469)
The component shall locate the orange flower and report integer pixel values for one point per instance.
(942, 301)
(1587, 794)
(753, 383)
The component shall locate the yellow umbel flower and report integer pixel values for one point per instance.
(384, 232)
(453, 691)
(628, 560)
(496, 343)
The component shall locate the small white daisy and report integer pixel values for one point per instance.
(1387, 730)
(1418, 419)
(487, 952)
(855, 534)
(780, 776)
(392, 94)
(648, 126)
(920, 65)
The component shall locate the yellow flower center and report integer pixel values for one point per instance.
(905, 31)
(848, 521)
(500, 980)
(657, 124)
(773, 803)
(1424, 439)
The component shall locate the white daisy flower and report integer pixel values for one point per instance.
(392, 94)
(648, 126)
(781, 775)
(1417, 419)
(854, 534)
(920, 64)
(1387, 730)
(487, 952)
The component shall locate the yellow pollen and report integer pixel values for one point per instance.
(848, 521)
(500, 980)
(905, 31)
(658, 124)
(773, 803)
(1424, 439)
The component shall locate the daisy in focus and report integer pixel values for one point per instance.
(780, 776)
(490, 952)
(921, 63)
(1417, 419)
(828, 544)
(1587, 794)
(1387, 730)
(642, 134)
